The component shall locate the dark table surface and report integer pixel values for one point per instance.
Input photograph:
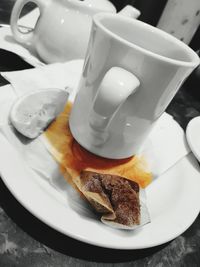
(25, 241)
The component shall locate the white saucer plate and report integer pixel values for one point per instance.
(173, 202)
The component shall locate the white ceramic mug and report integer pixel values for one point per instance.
(131, 73)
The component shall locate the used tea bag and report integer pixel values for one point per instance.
(116, 198)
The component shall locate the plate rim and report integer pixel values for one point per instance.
(31, 208)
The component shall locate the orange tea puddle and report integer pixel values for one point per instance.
(73, 158)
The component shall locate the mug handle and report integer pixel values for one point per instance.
(114, 89)
(28, 36)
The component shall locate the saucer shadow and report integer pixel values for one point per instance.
(194, 162)
(62, 243)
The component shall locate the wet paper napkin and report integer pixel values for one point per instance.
(26, 52)
(58, 75)
(164, 147)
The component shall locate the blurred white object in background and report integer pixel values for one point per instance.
(181, 18)
(192, 135)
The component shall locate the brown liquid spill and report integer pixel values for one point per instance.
(73, 158)
(83, 159)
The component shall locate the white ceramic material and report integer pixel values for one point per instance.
(63, 28)
(115, 109)
(171, 214)
(193, 136)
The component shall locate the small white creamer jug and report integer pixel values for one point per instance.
(131, 73)
(63, 27)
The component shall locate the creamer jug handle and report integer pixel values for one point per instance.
(26, 37)
(117, 85)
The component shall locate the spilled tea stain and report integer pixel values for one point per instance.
(73, 158)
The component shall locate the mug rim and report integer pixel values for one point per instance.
(195, 60)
